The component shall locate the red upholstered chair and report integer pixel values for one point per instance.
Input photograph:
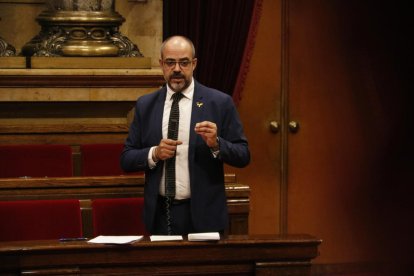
(40, 219)
(118, 216)
(35, 160)
(101, 159)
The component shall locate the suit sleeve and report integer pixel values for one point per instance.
(234, 149)
(134, 157)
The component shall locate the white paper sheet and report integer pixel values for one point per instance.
(166, 238)
(115, 239)
(207, 236)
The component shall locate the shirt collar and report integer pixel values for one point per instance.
(188, 92)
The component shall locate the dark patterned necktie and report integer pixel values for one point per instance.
(170, 163)
(172, 134)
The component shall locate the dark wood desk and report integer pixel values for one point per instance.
(236, 255)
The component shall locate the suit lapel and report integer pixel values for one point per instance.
(197, 112)
(197, 115)
(159, 110)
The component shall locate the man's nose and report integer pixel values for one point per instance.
(177, 67)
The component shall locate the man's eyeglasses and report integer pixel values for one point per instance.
(182, 63)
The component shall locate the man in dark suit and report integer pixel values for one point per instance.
(209, 134)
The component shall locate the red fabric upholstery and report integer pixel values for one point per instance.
(118, 216)
(101, 159)
(40, 219)
(35, 160)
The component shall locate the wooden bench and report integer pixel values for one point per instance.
(87, 188)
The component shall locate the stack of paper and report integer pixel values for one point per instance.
(208, 236)
(166, 238)
(115, 239)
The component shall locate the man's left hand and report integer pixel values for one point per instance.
(208, 131)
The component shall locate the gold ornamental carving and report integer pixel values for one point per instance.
(80, 28)
(6, 50)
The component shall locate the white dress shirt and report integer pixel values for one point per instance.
(182, 175)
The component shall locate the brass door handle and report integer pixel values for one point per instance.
(274, 127)
(293, 126)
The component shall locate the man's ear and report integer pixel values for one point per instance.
(194, 63)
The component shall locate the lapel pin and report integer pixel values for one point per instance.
(199, 104)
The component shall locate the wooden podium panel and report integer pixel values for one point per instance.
(232, 255)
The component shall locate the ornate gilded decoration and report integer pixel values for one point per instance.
(80, 28)
(6, 50)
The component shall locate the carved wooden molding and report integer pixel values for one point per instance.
(56, 128)
(96, 181)
(23, 1)
(81, 80)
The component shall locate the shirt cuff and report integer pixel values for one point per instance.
(151, 163)
(216, 151)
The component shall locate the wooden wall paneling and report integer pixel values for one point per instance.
(71, 106)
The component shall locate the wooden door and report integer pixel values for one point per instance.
(348, 101)
(260, 105)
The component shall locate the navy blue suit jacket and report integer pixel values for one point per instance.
(208, 199)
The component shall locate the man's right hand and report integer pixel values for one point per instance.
(166, 149)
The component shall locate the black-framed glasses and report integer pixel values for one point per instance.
(184, 64)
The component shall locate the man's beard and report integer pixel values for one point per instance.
(180, 85)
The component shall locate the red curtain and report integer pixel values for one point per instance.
(220, 31)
